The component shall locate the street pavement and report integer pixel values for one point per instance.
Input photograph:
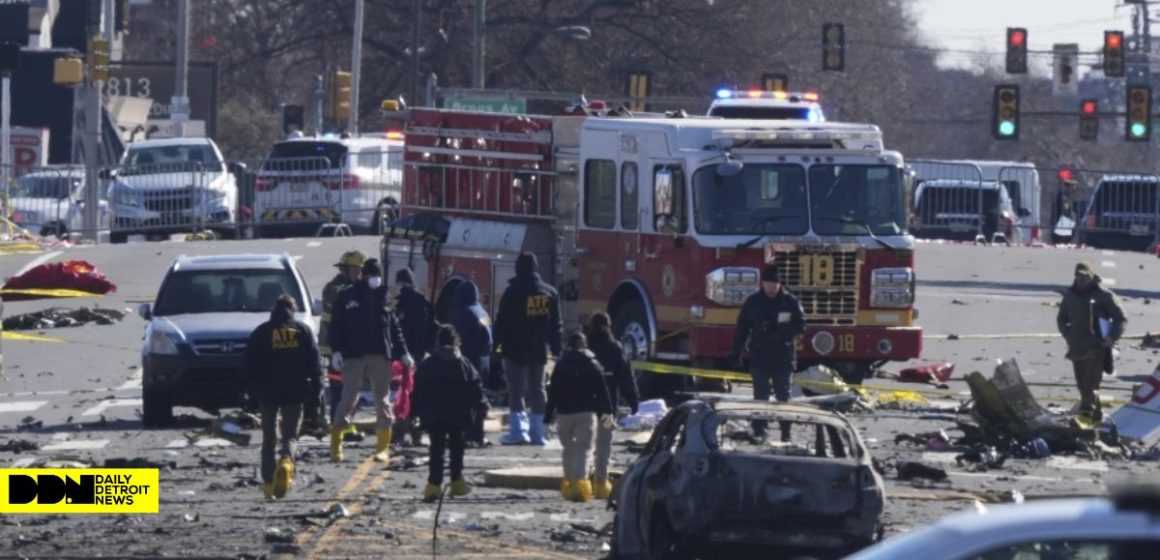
(977, 304)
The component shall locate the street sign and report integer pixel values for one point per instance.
(155, 81)
(1066, 69)
(515, 105)
(29, 149)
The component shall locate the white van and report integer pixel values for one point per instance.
(306, 182)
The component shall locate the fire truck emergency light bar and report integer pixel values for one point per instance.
(761, 94)
(870, 137)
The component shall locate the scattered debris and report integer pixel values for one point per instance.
(958, 302)
(286, 548)
(138, 463)
(28, 423)
(18, 446)
(562, 535)
(192, 517)
(337, 511)
(908, 470)
(60, 279)
(276, 535)
(929, 373)
(983, 456)
(1150, 341)
(952, 336)
(1139, 419)
(649, 413)
(60, 317)
(820, 380)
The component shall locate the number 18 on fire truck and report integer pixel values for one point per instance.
(665, 222)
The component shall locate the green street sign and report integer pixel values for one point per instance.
(517, 105)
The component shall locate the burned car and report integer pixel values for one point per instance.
(703, 481)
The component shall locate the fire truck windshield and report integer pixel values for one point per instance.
(746, 203)
(848, 199)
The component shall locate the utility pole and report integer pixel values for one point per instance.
(94, 114)
(179, 104)
(478, 72)
(6, 129)
(318, 91)
(416, 25)
(355, 68)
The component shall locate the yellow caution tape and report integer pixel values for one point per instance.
(9, 335)
(56, 293)
(19, 247)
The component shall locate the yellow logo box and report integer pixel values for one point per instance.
(79, 490)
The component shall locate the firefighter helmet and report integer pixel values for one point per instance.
(352, 258)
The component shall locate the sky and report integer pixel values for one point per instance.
(980, 25)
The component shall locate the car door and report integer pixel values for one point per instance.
(658, 456)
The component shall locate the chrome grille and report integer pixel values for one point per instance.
(168, 201)
(220, 347)
(826, 283)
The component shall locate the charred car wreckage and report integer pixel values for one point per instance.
(704, 481)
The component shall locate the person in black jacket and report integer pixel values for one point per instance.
(528, 325)
(473, 325)
(618, 378)
(769, 322)
(579, 395)
(447, 390)
(365, 338)
(282, 372)
(417, 319)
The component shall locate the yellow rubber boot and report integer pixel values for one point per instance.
(336, 444)
(383, 446)
(566, 488)
(283, 477)
(431, 493)
(459, 488)
(268, 490)
(601, 489)
(582, 490)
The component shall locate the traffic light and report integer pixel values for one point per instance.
(1016, 50)
(1114, 53)
(340, 96)
(98, 59)
(636, 86)
(1089, 119)
(775, 82)
(833, 47)
(1005, 112)
(1066, 175)
(293, 118)
(1139, 121)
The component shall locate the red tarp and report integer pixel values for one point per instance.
(405, 378)
(69, 275)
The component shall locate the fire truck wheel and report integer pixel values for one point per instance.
(631, 328)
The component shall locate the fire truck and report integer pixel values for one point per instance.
(664, 221)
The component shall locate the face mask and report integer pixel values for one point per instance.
(375, 282)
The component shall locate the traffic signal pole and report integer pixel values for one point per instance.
(355, 68)
(179, 105)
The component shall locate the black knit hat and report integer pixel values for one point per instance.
(527, 264)
(405, 276)
(770, 273)
(371, 268)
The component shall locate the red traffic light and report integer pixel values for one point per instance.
(1114, 40)
(1017, 37)
(1089, 107)
(1066, 174)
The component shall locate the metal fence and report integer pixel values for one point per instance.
(46, 201)
(160, 199)
(952, 201)
(300, 195)
(1107, 209)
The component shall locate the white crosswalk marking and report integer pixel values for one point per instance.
(110, 403)
(21, 406)
(1108, 264)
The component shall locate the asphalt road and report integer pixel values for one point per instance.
(85, 390)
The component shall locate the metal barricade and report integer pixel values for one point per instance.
(481, 191)
(1024, 188)
(1121, 210)
(952, 201)
(46, 201)
(358, 188)
(161, 199)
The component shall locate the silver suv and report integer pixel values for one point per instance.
(199, 325)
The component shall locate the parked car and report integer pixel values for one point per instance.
(52, 202)
(205, 310)
(306, 182)
(173, 185)
(1125, 526)
(703, 482)
(957, 209)
(1123, 213)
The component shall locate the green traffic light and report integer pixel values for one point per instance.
(1007, 128)
(1138, 129)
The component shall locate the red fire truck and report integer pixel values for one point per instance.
(664, 222)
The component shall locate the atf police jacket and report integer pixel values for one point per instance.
(363, 325)
(282, 365)
(529, 323)
(769, 326)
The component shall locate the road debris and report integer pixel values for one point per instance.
(1139, 419)
(908, 470)
(18, 446)
(278, 535)
(649, 413)
(60, 317)
(61, 279)
(928, 373)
